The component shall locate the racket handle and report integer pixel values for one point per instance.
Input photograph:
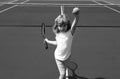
(46, 45)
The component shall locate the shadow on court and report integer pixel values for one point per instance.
(73, 66)
(80, 77)
(100, 78)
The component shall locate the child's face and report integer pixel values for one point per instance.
(61, 22)
(62, 28)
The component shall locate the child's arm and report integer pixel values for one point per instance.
(75, 21)
(51, 42)
(62, 10)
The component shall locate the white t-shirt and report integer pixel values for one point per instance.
(64, 42)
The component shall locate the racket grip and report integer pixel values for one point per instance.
(46, 45)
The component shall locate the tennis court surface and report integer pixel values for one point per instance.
(95, 46)
(93, 13)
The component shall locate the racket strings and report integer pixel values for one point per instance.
(43, 35)
(71, 65)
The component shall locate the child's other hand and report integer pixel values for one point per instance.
(46, 39)
(76, 11)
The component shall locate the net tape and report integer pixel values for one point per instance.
(58, 4)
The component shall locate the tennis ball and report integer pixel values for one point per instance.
(76, 11)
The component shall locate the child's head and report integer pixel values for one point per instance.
(62, 24)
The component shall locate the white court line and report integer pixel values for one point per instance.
(59, 4)
(108, 7)
(7, 9)
(12, 1)
(12, 7)
(9, 2)
(65, 0)
(108, 2)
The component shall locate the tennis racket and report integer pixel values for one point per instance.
(43, 35)
(73, 66)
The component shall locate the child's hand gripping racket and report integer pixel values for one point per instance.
(43, 35)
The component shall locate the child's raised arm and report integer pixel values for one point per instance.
(51, 42)
(76, 18)
(62, 10)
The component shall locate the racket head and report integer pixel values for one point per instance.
(71, 65)
(43, 30)
(43, 35)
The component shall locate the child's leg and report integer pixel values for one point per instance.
(67, 73)
(61, 68)
(66, 65)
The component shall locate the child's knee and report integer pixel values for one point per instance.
(63, 73)
(62, 76)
